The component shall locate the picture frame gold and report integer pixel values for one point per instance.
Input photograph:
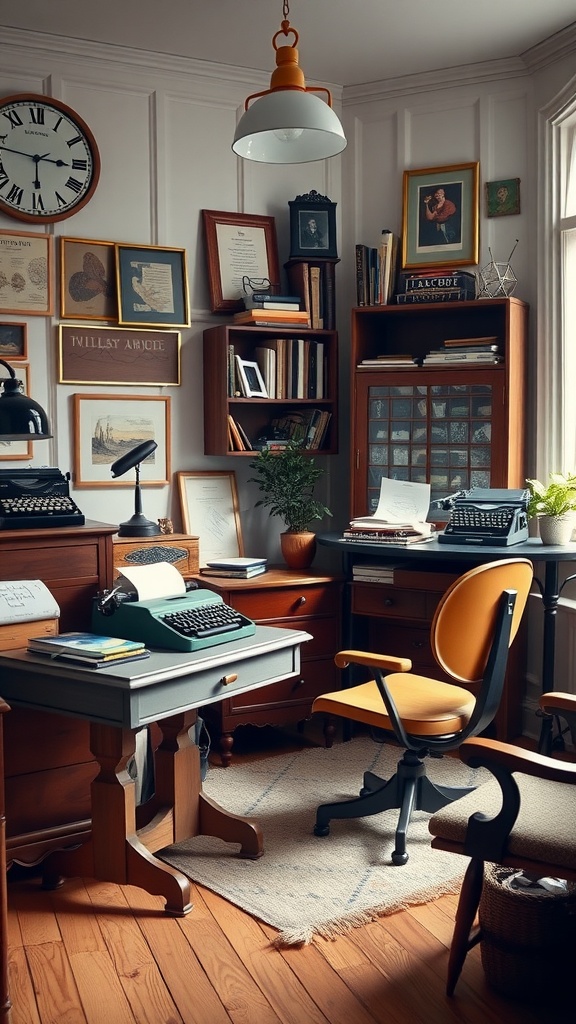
(211, 511)
(12, 451)
(26, 274)
(108, 426)
(238, 245)
(89, 354)
(152, 286)
(13, 341)
(440, 213)
(88, 280)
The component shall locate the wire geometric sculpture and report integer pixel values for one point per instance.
(497, 280)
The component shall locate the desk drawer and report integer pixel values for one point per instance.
(388, 601)
(315, 677)
(267, 606)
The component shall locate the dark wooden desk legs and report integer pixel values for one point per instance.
(124, 838)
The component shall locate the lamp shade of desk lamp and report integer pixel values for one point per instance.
(137, 525)
(21, 418)
(288, 124)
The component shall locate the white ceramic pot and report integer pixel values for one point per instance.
(557, 529)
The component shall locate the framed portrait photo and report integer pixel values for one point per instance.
(502, 197)
(87, 280)
(251, 380)
(210, 510)
(109, 426)
(26, 273)
(312, 227)
(152, 286)
(13, 340)
(18, 450)
(440, 217)
(238, 245)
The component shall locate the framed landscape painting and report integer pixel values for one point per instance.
(109, 426)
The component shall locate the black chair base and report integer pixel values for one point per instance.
(409, 789)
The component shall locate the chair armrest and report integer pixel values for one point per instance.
(483, 753)
(384, 662)
(555, 703)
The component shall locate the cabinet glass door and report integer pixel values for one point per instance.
(441, 434)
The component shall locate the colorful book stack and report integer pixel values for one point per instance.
(267, 317)
(89, 649)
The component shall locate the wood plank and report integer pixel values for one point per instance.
(56, 992)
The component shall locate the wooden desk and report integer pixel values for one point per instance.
(167, 688)
(5, 1003)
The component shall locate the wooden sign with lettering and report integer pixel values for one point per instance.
(117, 355)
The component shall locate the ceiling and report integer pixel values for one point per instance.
(342, 42)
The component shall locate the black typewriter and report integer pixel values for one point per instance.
(35, 499)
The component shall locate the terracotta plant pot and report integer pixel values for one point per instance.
(298, 549)
(557, 529)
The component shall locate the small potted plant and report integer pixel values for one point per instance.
(554, 504)
(286, 477)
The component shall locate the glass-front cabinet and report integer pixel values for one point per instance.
(455, 427)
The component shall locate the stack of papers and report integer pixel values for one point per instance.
(399, 519)
(235, 568)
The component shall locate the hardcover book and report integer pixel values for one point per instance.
(89, 645)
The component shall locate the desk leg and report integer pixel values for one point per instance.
(550, 598)
(114, 852)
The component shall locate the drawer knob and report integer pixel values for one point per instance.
(300, 601)
(418, 643)
(226, 680)
(388, 603)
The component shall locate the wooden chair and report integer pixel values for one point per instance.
(523, 818)
(472, 629)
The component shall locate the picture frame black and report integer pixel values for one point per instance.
(152, 286)
(312, 227)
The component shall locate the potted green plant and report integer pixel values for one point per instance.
(554, 504)
(287, 477)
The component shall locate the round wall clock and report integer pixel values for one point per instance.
(49, 160)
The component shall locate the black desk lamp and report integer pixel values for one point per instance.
(21, 418)
(137, 525)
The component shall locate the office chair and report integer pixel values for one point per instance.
(524, 818)
(472, 629)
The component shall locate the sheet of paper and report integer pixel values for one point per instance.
(400, 502)
(161, 579)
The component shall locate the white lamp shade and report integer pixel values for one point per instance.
(288, 126)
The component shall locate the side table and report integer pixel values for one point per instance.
(291, 599)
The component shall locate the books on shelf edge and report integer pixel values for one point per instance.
(433, 295)
(90, 645)
(463, 357)
(464, 342)
(266, 300)
(361, 578)
(236, 562)
(464, 349)
(236, 442)
(275, 316)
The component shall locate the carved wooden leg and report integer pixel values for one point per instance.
(215, 821)
(225, 745)
(465, 935)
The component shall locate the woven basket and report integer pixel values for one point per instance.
(528, 937)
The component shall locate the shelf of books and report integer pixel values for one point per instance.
(266, 385)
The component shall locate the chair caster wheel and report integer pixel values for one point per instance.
(321, 830)
(399, 858)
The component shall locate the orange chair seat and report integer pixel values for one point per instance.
(427, 707)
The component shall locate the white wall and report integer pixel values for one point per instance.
(164, 128)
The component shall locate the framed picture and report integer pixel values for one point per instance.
(312, 227)
(21, 450)
(87, 280)
(13, 341)
(440, 217)
(210, 510)
(152, 286)
(251, 380)
(118, 355)
(502, 197)
(108, 426)
(238, 245)
(26, 273)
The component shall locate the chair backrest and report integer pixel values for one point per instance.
(464, 624)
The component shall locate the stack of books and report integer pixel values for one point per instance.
(467, 351)
(435, 286)
(374, 573)
(89, 649)
(235, 568)
(273, 317)
(267, 300)
(371, 530)
(391, 361)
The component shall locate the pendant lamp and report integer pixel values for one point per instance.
(21, 418)
(288, 124)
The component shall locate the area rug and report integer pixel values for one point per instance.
(305, 885)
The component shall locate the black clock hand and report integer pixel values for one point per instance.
(18, 151)
(59, 163)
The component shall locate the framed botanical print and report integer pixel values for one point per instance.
(440, 217)
(87, 280)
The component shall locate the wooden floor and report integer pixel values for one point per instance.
(97, 953)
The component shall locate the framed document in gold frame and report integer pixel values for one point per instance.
(210, 510)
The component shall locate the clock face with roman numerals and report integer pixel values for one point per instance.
(49, 160)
